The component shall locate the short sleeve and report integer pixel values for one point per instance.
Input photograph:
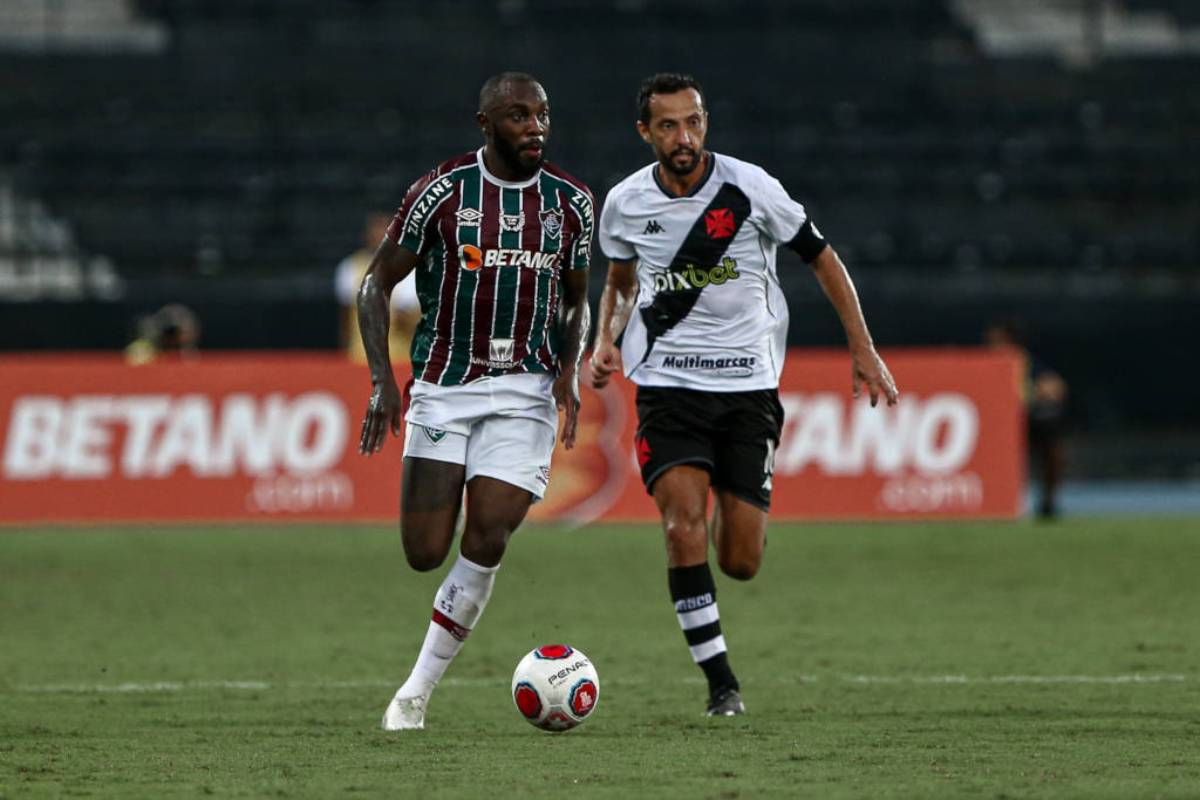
(780, 217)
(581, 249)
(415, 220)
(613, 243)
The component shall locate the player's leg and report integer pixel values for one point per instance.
(1053, 466)
(739, 533)
(675, 452)
(430, 500)
(495, 509)
(430, 497)
(507, 462)
(681, 494)
(742, 479)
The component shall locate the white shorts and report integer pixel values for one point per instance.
(502, 427)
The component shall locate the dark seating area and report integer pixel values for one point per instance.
(258, 140)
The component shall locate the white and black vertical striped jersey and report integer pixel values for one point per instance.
(711, 314)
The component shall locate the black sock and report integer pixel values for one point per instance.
(695, 597)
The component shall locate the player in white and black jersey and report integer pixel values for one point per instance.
(691, 242)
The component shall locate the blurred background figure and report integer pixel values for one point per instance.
(169, 333)
(406, 309)
(1045, 396)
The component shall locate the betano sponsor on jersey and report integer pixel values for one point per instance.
(473, 258)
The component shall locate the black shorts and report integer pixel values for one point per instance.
(731, 434)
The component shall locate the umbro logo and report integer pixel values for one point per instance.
(652, 227)
(469, 217)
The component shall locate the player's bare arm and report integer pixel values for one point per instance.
(868, 368)
(616, 305)
(390, 265)
(576, 322)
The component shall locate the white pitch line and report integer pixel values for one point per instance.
(1051, 679)
(928, 680)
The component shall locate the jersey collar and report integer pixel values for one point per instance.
(483, 170)
(700, 184)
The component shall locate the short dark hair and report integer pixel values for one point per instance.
(665, 83)
(491, 87)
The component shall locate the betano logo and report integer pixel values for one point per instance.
(472, 258)
(934, 435)
(151, 436)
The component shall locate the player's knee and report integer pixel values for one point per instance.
(686, 532)
(740, 566)
(424, 557)
(424, 553)
(485, 544)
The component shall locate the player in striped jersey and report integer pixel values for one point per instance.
(691, 240)
(500, 241)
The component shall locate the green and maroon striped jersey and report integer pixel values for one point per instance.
(492, 256)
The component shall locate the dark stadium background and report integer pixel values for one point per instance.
(222, 153)
(972, 160)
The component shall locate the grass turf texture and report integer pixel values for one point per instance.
(839, 643)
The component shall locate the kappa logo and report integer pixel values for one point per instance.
(470, 256)
(469, 217)
(552, 221)
(719, 223)
(512, 223)
(434, 435)
(653, 227)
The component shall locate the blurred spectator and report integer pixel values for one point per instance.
(406, 309)
(1045, 395)
(171, 332)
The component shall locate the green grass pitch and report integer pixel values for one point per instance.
(933, 660)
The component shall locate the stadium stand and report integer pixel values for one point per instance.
(255, 142)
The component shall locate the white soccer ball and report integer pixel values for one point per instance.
(555, 687)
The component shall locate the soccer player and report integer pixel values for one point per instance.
(691, 242)
(500, 241)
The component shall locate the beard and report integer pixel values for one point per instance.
(687, 166)
(519, 161)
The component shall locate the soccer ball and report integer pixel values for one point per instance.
(555, 687)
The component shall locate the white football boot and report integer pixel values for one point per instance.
(405, 713)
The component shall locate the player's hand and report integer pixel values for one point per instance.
(383, 412)
(606, 359)
(566, 397)
(868, 368)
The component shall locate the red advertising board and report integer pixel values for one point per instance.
(273, 438)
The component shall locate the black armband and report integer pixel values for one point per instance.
(808, 242)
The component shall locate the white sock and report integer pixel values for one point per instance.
(456, 608)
